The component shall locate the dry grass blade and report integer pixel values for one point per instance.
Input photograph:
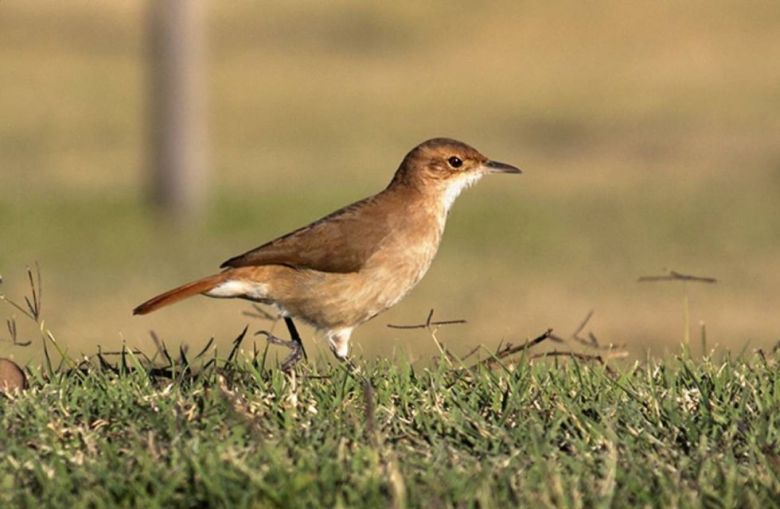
(123, 359)
(183, 361)
(205, 348)
(161, 348)
(47, 357)
(11, 326)
(36, 292)
(32, 307)
(236, 345)
(104, 364)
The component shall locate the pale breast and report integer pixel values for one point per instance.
(397, 264)
(405, 256)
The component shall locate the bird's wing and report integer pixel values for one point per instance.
(331, 244)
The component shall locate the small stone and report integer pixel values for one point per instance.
(12, 378)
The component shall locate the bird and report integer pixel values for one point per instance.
(349, 266)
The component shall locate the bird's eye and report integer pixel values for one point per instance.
(455, 162)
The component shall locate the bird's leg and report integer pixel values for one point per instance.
(294, 335)
(296, 353)
(353, 370)
(295, 345)
(338, 340)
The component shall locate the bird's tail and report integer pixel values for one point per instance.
(180, 293)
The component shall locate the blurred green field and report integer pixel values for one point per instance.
(649, 135)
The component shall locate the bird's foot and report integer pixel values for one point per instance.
(294, 335)
(353, 368)
(296, 350)
(355, 371)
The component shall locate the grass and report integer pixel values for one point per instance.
(646, 131)
(676, 433)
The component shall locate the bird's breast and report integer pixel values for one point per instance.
(404, 255)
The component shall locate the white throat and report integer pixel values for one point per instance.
(456, 186)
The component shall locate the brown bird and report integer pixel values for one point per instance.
(344, 269)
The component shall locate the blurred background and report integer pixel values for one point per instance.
(649, 133)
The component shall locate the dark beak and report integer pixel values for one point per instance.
(496, 167)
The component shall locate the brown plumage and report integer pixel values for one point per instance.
(182, 292)
(351, 265)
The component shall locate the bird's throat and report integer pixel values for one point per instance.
(454, 186)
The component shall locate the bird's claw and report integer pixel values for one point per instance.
(296, 350)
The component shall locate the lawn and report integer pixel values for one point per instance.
(684, 432)
(646, 132)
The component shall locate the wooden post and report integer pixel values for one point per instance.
(177, 108)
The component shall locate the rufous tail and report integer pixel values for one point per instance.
(180, 293)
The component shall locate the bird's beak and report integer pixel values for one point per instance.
(496, 167)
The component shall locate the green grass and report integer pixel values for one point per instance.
(647, 132)
(678, 433)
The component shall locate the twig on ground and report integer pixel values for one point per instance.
(677, 276)
(591, 341)
(428, 323)
(472, 352)
(509, 350)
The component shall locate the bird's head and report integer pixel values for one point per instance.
(446, 167)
